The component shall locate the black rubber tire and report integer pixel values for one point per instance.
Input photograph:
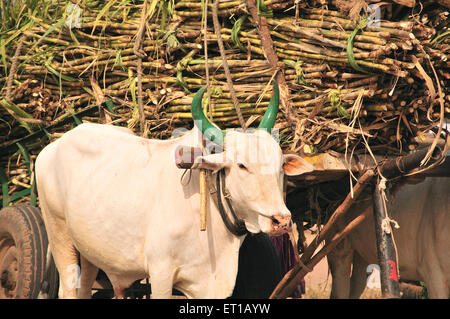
(23, 247)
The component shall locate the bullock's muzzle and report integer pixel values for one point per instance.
(281, 224)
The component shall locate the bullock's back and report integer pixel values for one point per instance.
(92, 162)
(425, 200)
(90, 140)
(92, 147)
(423, 210)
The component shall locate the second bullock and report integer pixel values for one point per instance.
(422, 212)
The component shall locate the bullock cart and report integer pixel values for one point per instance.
(334, 79)
(27, 271)
(378, 173)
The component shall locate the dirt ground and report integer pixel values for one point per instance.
(318, 282)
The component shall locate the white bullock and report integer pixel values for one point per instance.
(423, 241)
(123, 204)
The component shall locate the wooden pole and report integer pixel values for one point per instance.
(290, 280)
(387, 256)
(203, 194)
(325, 233)
(225, 66)
(140, 55)
(272, 58)
(292, 277)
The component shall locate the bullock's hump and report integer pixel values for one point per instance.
(93, 127)
(90, 140)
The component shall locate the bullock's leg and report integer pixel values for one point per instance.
(88, 275)
(436, 285)
(433, 268)
(435, 280)
(359, 276)
(119, 292)
(340, 262)
(64, 254)
(161, 281)
(120, 282)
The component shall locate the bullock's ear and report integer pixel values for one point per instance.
(295, 165)
(213, 162)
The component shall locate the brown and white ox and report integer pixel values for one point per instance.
(121, 202)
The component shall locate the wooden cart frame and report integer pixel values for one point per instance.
(376, 172)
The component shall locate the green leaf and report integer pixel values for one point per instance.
(118, 60)
(152, 8)
(350, 56)
(13, 107)
(263, 11)
(19, 32)
(58, 74)
(3, 54)
(74, 38)
(57, 25)
(17, 110)
(235, 32)
(101, 14)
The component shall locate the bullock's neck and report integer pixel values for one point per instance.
(227, 211)
(222, 244)
(214, 219)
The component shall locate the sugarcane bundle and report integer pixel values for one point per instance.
(354, 81)
(393, 88)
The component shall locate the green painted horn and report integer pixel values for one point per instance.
(270, 116)
(214, 133)
(209, 129)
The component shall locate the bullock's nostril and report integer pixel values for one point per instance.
(281, 224)
(281, 221)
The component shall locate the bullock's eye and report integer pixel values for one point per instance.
(242, 166)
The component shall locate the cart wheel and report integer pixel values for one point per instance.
(23, 246)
